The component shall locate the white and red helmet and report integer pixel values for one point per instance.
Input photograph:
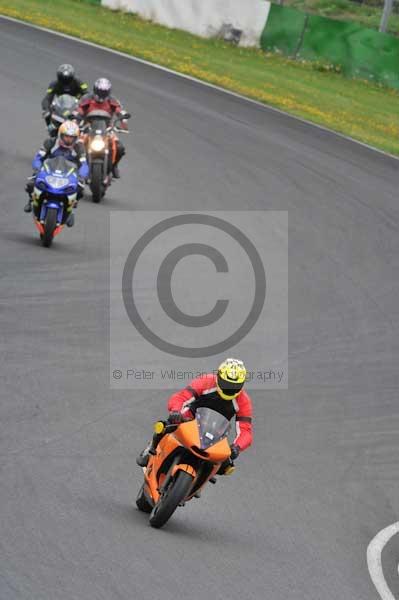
(102, 89)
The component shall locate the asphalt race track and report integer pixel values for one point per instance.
(321, 480)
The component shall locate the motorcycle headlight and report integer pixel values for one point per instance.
(57, 182)
(97, 144)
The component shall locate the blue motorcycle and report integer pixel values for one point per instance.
(54, 194)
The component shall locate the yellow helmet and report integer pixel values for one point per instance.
(231, 378)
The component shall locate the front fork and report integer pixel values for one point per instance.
(104, 159)
(40, 208)
(174, 468)
(46, 205)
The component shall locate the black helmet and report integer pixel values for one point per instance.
(102, 89)
(65, 73)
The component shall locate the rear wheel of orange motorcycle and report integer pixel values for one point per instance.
(141, 501)
(176, 492)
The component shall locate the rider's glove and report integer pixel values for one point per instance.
(122, 117)
(175, 417)
(235, 451)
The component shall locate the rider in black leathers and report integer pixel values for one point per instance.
(66, 83)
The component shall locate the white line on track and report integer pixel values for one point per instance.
(199, 81)
(374, 551)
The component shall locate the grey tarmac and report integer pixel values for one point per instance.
(321, 480)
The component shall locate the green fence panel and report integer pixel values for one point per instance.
(283, 30)
(360, 52)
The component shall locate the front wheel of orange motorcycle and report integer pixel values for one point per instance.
(177, 490)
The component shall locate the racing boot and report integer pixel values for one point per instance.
(144, 456)
(29, 190)
(226, 468)
(151, 449)
(70, 220)
(115, 171)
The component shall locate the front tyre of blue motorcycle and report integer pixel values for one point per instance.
(49, 226)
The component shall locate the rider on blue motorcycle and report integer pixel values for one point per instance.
(67, 144)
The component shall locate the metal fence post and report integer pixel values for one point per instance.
(388, 5)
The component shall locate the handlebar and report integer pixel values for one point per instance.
(165, 427)
(86, 127)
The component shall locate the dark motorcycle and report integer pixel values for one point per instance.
(62, 108)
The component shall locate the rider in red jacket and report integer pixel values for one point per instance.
(222, 392)
(101, 100)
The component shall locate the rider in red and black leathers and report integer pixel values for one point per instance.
(221, 392)
(203, 391)
(101, 99)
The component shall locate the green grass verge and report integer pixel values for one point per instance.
(368, 14)
(362, 110)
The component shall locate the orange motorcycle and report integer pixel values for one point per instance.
(99, 138)
(187, 457)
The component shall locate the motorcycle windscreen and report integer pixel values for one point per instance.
(64, 104)
(99, 126)
(212, 426)
(99, 121)
(59, 163)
